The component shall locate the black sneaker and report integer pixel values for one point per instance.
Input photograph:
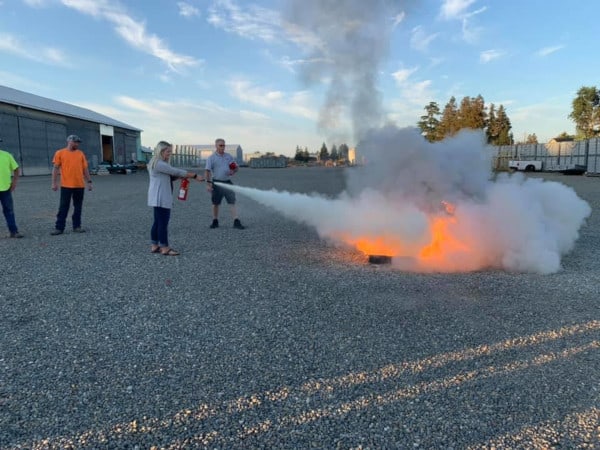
(237, 224)
(56, 232)
(78, 230)
(214, 224)
(16, 235)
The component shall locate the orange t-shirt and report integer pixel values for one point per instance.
(72, 163)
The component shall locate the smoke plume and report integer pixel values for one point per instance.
(431, 206)
(352, 41)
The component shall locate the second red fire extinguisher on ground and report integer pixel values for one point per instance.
(183, 189)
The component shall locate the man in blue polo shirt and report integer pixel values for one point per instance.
(221, 166)
(9, 174)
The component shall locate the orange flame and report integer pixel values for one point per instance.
(378, 246)
(442, 242)
(437, 253)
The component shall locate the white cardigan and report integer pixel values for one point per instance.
(160, 190)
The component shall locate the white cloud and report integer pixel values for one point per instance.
(413, 92)
(254, 22)
(549, 50)
(547, 120)
(187, 10)
(133, 32)
(459, 10)
(408, 106)
(401, 76)
(418, 93)
(35, 3)
(455, 9)
(296, 104)
(18, 82)
(55, 55)
(397, 20)
(178, 121)
(47, 55)
(420, 40)
(257, 23)
(490, 55)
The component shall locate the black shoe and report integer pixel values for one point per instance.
(56, 232)
(16, 235)
(79, 230)
(237, 224)
(214, 224)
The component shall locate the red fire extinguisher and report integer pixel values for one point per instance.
(183, 189)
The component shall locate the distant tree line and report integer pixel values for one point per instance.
(472, 113)
(336, 154)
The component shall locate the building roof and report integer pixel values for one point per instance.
(27, 100)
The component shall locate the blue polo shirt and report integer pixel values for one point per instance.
(219, 166)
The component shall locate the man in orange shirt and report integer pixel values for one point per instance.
(70, 163)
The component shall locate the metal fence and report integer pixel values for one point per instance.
(552, 154)
(185, 156)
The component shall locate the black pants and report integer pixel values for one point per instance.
(65, 204)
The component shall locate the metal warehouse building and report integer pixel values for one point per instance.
(32, 128)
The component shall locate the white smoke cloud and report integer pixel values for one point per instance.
(400, 199)
(354, 36)
(432, 206)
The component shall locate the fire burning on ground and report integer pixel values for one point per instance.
(382, 249)
(426, 215)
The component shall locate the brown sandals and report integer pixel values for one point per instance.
(169, 252)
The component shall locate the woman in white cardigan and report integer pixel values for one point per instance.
(160, 196)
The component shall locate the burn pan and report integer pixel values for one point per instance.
(380, 259)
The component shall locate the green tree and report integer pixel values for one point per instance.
(564, 136)
(323, 153)
(505, 137)
(430, 122)
(586, 112)
(334, 153)
(450, 122)
(531, 139)
(472, 113)
(493, 130)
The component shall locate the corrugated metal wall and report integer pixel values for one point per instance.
(33, 137)
(556, 154)
(31, 141)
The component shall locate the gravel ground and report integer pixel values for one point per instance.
(269, 338)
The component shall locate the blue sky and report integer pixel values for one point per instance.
(190, 71)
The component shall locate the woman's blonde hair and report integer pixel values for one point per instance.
(158, 153)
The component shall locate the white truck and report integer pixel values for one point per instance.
(526, 166)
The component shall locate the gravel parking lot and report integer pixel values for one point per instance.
(270, 338)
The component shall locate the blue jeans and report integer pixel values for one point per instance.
(159, 233)
(65, 204)
(8, 210)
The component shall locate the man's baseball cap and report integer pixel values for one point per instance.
(74, 138)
